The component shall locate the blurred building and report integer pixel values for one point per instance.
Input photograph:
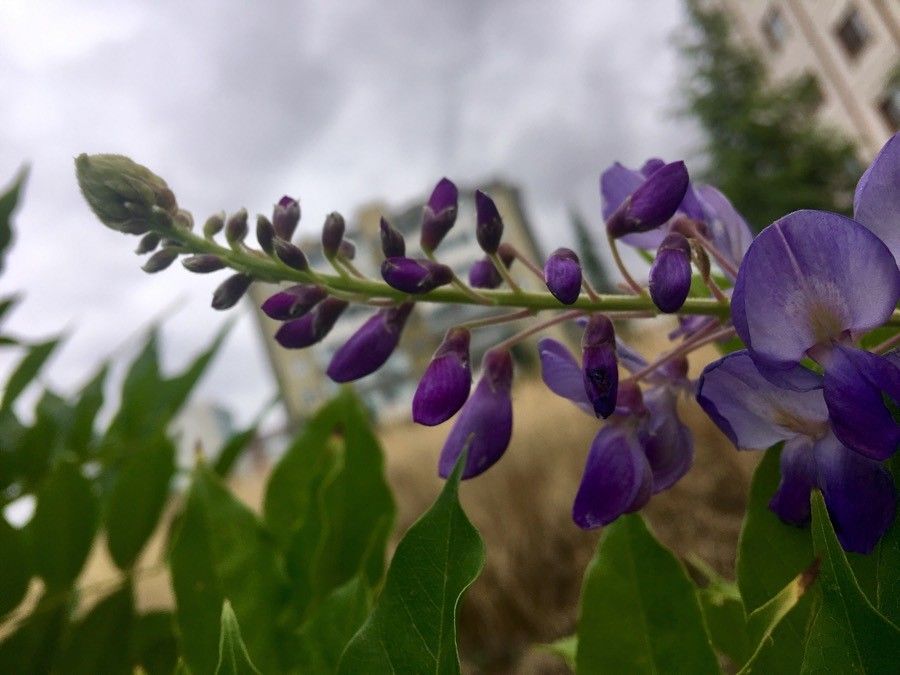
(388, 392)
(850, 47)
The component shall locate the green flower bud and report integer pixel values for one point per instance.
(122, 193)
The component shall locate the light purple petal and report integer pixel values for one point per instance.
(616, 184)
(616, 480)
(691, 206)
(876, 203)
(562, 373)
(798, 478)
(727, 228)
(444, 387)
(631, 360)
(668, 443)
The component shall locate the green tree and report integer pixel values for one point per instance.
(763, 146)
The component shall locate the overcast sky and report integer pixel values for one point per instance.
(235, 103)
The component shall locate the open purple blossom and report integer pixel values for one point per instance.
(444, 387)
(484, 425)
(651, 203)
(370, 346)
(755, 414)
(876, 203)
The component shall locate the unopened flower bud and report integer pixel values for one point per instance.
(184, 219)
(290, 255)
(484, 274)
(652, 203)
(231, 290)
(484, 425)
(444, 387)
(236, 227)
(439, 214)
(599, 364)
(415, 276)
(311, 327)
(285, 216)
(370, 346)
(122, 193)
(670, 274)
(160, 260)
(293, 302)
(488, 224)
(347, 249)
(265, 233)
(332, 234)
(392, 243)
(562, 273)
(148, 243)
(214, 225)
(203, 263)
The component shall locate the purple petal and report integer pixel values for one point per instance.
(444, 387)
(876, 203)
(860, 495)
(651, 204)
(312, 327)
(562, 373)
(616, 480)
(857, 386)
(691, 205)
(393, 245)
(727, 228)
(285, 216)
(629, 358)
(670, 273)
(444, 196)
(483, 274)
(667, 443)
(599, 364)
(415, 276)
(798, 477)
(808, 278)
(562, 273)
(370, 346)
(652, 165)
(488, 223)
(484, 425)
(439, 214)
(293, 302)
(753, 412)
(688, 326)
(616, 185)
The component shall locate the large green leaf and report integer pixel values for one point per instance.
(8, 202)
(639, 610)
(87, 405)
(847, 635)
(220, 551)
(100, 642)
(232, 450)
(153, 644)
(770, 555)
(15, 565)
(413, 626)
(138, 497)
(33, 645)
(26, 370)
(233, 656)
(63, 527)
(723, 612)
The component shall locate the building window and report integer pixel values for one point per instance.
(775, 28)
(852, 32)
(890, 107)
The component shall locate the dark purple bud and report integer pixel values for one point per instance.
(347, 249)
(203, 263)
(148, 243)
(484, 425)
(265, 233)
(444, 387)
(670, 274)
(439, 214)
(285, 217)
(332, 234)
(599, 364)
(160, 260)
(293, 302)
(290, 255)
(213, 225)
(311, 327)
(370, 346)
(484, 274)
(562, 273)
(184, 219)
(415, 276)
(231, 290)
(488, 224)
(392, 243)
(652, 203)
(236, 227)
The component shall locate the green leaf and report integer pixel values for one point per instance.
(323, 637)
(33, 646)
(847, 635)
(565, 648)
(15, 565)
(153, 644)
(639, 611)
(232, 450)
(8, 202)
(723, 612)
(90, 400)
(138, 497)
(413, 626)
(770, 555)
(233, 656)
(100, 641)
(7, 304)
(220, 550)
(26, 371)
(63, 527)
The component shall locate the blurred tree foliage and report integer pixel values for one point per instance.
(764, 148)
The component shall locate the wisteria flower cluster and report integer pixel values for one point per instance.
(800, 297)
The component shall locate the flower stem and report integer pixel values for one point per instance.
(614, 249)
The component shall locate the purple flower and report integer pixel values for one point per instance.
(484, 425)
(444, 387)
(415, 276)
(652, 203)
(333, 234)
(484, 274)
(876, 203)
(439, 214)
(755, 414)
(670, 273)
(599, 365)
(393, 245)
(370, 346)
(311, 327)
(488, 223)
(285, 216)
(293, 302)
(727, 228)
(562, 273)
